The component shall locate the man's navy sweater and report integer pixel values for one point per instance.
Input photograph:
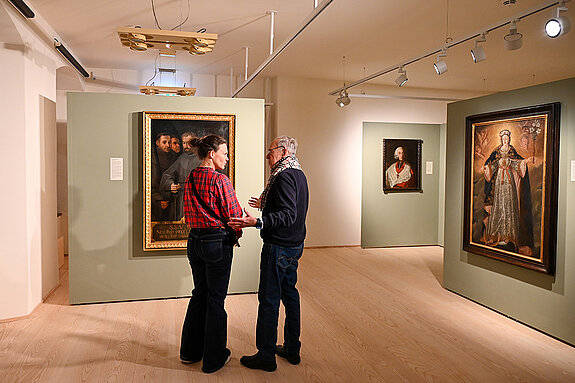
(285, 211)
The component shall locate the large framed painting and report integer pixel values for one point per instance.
(401, 165)
(169, 157)
(511, 171)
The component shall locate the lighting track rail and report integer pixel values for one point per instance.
(27, 12)
(453, 43)
(68, 56)
(23, 8)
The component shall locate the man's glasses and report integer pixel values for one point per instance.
(272, 149)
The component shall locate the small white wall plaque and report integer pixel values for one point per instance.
(116, 169)
(572, 170)
(428, 167)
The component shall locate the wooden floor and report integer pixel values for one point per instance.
(377, 315)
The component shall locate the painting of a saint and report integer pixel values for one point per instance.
(508, 222)
(511, 186)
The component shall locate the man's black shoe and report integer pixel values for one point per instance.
(256, 362)
(292, 358)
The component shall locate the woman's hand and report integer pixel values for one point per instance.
(246, 221)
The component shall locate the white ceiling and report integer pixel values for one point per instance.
(371, 34)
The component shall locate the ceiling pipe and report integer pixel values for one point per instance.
(272, 19)
(284, 45)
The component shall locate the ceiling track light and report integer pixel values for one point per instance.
(68, 56)
(402, 78)
(558, 25)
(440, 65)
(513, 40)
(343, 99)
(23, 8)
(478, 53)
(461, 40)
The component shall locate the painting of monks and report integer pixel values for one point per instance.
(169, 156)
(511, 186)
(401, 165)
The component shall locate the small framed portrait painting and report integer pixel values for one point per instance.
(401, 165)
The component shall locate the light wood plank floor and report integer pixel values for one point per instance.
(377, 315)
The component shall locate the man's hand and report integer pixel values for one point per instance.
(164, 204)
(246, 221)
(254, 202)
(175, 188)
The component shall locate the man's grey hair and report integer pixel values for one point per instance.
(395, 155)
(289, 143)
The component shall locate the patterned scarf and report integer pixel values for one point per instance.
(288, 162)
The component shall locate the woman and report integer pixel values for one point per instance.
(209, 202)
(508, 199)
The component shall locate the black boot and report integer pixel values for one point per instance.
(257, 363)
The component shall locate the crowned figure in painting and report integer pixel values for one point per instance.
(508, 222)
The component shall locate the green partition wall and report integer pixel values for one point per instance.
(399, 219)
(542, 301)
(107, 262)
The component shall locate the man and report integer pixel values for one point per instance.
(175, 176)
(400, 175)
(284, 204)
(175, 146)
(161, 160)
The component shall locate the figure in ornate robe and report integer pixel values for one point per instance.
(400, 175)
(508, 223)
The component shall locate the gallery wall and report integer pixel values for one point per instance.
(543, 301)
(107, 262)
(330, 148)
(28, 258)
(404, 218)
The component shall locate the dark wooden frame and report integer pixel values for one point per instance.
(412, 149)
(200, 124)
(524, 120)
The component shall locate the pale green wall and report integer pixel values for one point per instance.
(105, 233)
(399, 219)
(539, 300)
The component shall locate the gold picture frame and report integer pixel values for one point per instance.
(164, 221)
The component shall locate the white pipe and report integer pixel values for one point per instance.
(315, 3)
(231, 81)
(272, 18)
(284, 45)
(247, 57)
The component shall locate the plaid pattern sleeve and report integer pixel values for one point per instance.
(217, 192)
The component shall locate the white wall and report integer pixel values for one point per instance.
(330, 147)
(28, 253)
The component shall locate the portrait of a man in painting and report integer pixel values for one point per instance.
(402, 165)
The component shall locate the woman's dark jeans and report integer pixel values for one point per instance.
(278, 277)
(204, 334)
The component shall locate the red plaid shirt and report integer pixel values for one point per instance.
(217, 192)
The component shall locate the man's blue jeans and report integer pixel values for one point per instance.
(278, 277)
